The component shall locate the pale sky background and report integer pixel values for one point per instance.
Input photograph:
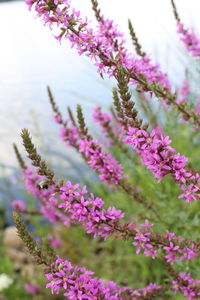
(30, 58)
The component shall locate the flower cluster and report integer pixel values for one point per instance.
(76, 282)
(110, 127)
(109, 170)
(148, 291)
(198, 107)
(88, 210)
(144, 66)
(18, 205)
(183, 92)
(174, 248)
(103, 119)
(106, 29)
(69, 135)
(47, 208)
(79, 283)
(68, 132)
(189, 39)
(55, 242)
(161, 159)
(187, 285)
(102, 161)
(32, 288)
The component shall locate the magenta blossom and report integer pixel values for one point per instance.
(189, 39)
(162, 160)
(80, 283)
(32, 288)
(18, 205)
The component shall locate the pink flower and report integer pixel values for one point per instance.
(88, 210)
(190, 193)
(142, 241)
(32, 288)
(189, 39)
(147, 225)
(48, 202)
(79, 283)
(29, 3)
(162, 160)
(183, 92)
(109, 170)
(172, 251)
(187, 285)
(57, 118)
(18, 205)
(198, 107)
(55, 242)
(189, 253)
(69, 135)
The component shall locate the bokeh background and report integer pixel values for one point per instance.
(31, 59)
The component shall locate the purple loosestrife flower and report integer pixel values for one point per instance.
(68, 132)
(69, 135)
(161, 159)
(183, 92)
(146, 225)
(189, 39)
(101, 118)
(171, 253)
(150, 72)
(169, 236)
(48, 203)
(109, 170)
(107, 30)
(76, 282)
(56, 118)
(88, 210)
(159, 131)
(175, 252)
(198, 106)
(150, 243)
(55, 242)
(190, 193)
(189, 253)
(18, 205)
(79, 283)
(187, 285)
(147, 291)
(107, 167)
(105, 120)
(29, 3)
(32, 288)
(142, 240)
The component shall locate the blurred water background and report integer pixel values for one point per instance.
(31, 59)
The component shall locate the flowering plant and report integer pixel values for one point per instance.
(149, 234)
